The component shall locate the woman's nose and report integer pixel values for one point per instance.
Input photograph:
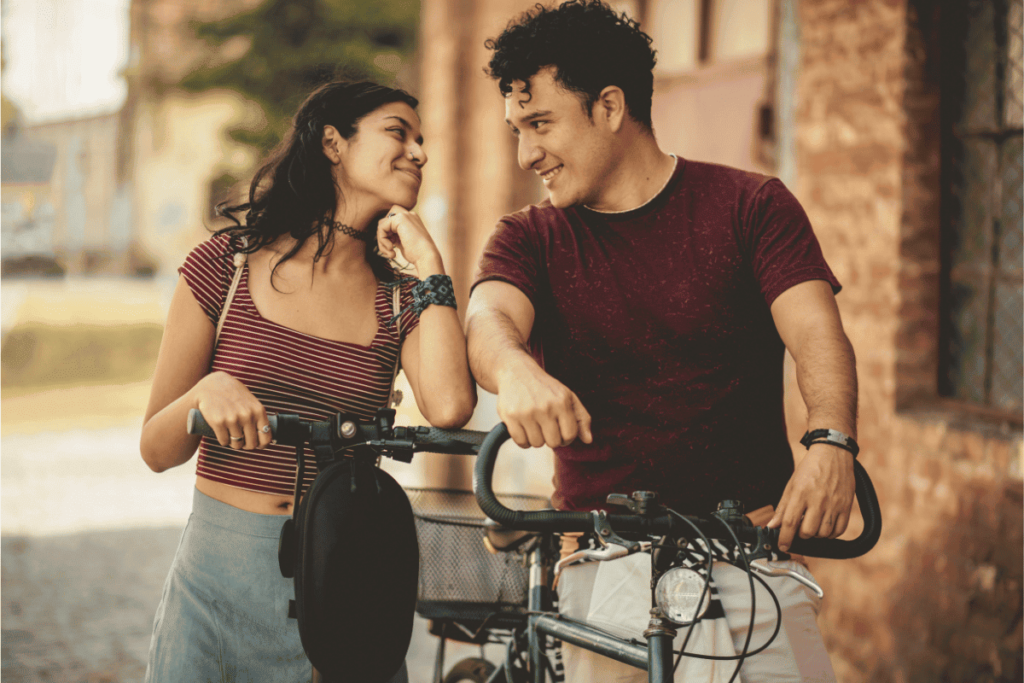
(418, 155)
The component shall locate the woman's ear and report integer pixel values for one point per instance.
(611, 107)
(332, 144)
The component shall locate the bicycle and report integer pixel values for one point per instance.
(648, 527)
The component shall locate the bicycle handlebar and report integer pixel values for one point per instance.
(342, 432)
(552, 521)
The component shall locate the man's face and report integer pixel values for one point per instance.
(569, 150)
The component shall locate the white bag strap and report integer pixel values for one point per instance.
(240, 259)
(395, 397)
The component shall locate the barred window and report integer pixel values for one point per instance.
(983, 233)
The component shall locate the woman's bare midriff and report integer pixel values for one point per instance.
(250, 501)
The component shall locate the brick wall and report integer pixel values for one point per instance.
(940, 597)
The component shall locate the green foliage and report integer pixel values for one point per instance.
(295, 45)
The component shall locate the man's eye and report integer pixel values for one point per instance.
(537, 124)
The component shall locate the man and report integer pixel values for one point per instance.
(636, 323)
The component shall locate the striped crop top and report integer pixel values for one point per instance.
(288, 371)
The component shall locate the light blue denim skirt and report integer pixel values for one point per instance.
(223, 615)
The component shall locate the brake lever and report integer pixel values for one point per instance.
(606, 534)
(611, 551)
(613, 545)
(767, 570)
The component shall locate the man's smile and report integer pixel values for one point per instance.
(547, 175)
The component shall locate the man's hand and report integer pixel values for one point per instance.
(818, 498)
(538, 409)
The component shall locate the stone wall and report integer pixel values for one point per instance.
(940, 597)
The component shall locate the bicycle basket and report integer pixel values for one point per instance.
(459, 578)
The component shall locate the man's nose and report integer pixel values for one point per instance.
(529, 154)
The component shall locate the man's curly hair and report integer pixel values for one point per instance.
(590, 46)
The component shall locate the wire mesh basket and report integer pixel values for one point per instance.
(459, 578)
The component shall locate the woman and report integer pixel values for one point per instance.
(309, 330)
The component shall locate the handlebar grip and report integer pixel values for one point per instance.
(834, 548)
(453, 441)
(197, 425)
(516, 519)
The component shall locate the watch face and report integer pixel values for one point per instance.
(838, 437)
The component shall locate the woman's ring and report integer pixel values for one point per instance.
(237, 438)
(265, 429)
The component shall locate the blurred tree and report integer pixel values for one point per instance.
(295, 45)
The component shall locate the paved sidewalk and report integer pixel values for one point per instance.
(80, 607)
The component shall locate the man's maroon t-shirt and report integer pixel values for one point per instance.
(658, 319)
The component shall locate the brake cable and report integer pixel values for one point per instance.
(753, 598)
(778, 607)
(704, 591)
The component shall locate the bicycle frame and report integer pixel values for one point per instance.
(656, 658)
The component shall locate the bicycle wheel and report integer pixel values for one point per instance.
(472, 669)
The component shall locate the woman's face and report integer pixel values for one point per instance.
(380, 165)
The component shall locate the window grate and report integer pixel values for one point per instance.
(983, 206)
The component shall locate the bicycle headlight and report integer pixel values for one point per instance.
(678, 594)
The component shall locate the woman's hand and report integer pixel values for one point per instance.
(236, 416)
(402, 229)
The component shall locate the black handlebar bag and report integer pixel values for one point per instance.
(352, 550)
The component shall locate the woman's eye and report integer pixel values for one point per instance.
(400, 131)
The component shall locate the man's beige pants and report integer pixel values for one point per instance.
(616, 596)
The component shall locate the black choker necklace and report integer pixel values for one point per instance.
(349, 230)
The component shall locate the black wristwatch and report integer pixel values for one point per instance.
(830, 436)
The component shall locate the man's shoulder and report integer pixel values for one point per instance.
(534, 216)
(724, 178)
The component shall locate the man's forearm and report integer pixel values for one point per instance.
(494, 345)
(827, 375)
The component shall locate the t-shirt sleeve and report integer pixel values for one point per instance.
(781, 244)
(207, 271)
(511, 256)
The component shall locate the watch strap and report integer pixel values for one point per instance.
(832, 437)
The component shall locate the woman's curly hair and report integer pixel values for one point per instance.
(590, 46)
(294, 192)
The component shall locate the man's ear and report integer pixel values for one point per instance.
(610, 107)
(332, 142)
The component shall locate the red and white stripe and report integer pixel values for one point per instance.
(288, 371)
